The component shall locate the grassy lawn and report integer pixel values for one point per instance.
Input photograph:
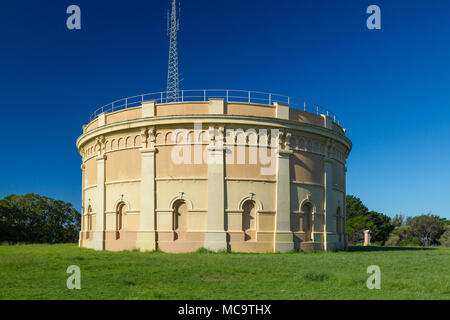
(39, 272)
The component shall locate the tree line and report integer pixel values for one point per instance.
(33, 218)
(423, 230)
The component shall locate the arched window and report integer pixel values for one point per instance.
(307, 221)
(339, 223)
(121, 211)
(89, 218)
(249, 224)
(180, 211)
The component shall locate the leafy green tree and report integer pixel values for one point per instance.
(402, 236)
(35, 219)
(445, 237)
(427, 228)
(359, 218)
(355, 207)
(355, 228)
(398, 220)
(379, 225)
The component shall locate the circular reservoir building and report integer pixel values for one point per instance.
(216, 169)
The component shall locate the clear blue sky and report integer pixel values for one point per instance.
(391, 88)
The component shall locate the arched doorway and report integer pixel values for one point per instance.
(180, 212)
(249, 220)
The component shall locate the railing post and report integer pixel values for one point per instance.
(249, 97)
(227, 95)
(304, 106)
(270, 98)
(126, 103)
(182, 95)
(289, 100)
(204, 95)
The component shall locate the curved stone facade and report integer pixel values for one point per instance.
(219, 175)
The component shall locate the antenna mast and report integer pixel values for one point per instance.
(173, 83)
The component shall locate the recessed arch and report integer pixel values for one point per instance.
(181, 136)
(128, 143)
(180, 212)
(121, 211)
(191, 137)
(307, 201)
(249, 219)
(160, 138)
(121, 143)
(263, 138)
(137, 141)
(181, 196)
(122, 199)
(252, 136)
(89, 226)
(308, 209)
(252, 197)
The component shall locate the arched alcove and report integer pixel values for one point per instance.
(89, 218)
(120, 216)
(249, 220)
(307, 209)
(180, 213)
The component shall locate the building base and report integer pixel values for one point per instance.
(283, 242)
(146, 241)
(216, 241)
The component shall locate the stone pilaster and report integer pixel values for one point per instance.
(283, 239)
(330, 238)
(83, 209)
(98, 241)
(146, 237)
(215, 235)
(344, 212)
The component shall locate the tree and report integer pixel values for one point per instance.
(427, 228)
(401, 236)
(355, 228)
(359, 219)
(35, 219)
(398, 220)
(445, 238)
(379, 225)
(355, 207)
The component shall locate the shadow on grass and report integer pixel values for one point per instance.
(378, 248)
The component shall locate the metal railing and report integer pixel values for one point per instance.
(205, 95)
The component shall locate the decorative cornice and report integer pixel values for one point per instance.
(233, 120)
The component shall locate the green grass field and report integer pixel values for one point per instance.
(39, 272)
